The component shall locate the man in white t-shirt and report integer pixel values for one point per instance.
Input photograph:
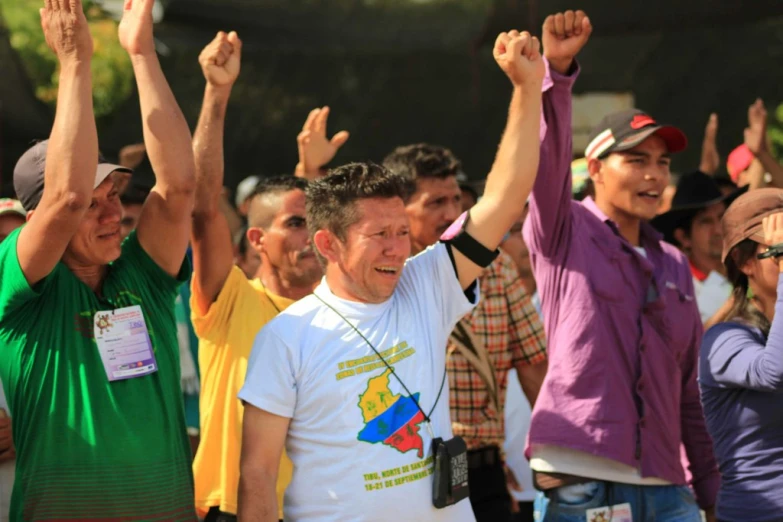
(352, 378)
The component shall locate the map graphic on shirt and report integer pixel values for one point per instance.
(391, 419)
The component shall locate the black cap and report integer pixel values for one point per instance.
(695, 191)
(626, 129)
(29, 174)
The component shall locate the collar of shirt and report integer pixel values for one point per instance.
(698, 274)
(649, 237)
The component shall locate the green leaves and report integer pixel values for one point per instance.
(111, 67)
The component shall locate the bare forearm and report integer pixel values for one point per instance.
(514, 171)
(73, 144)
(771, 165)
(166, 134)
(755, 175)
(208, 150)
(257, 498)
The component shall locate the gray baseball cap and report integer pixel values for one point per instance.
(29, 174)
(245, 189)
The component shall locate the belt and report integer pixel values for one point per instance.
(487, 456)
(548, 481)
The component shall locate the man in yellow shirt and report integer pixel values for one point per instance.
(228, 309)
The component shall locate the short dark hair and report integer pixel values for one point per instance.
(422, 160)
(331, 200)
(135, 194)
(282, 183)
(685, 224)
(272, 185)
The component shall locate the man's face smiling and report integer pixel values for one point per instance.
(632, 182)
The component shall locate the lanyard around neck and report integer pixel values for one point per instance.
(413, 398)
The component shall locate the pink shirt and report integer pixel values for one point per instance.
(623, 330)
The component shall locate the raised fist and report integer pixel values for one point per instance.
(756, 133)
(65, 29)
(221, 58)
(564, 35)
(315, 149)
(135, 30)
(519, 56)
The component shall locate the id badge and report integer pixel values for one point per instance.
(450, 476)
(124, 343)
(616, 513)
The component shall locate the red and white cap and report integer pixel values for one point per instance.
(626, 129)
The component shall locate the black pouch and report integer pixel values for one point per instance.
(450, 477)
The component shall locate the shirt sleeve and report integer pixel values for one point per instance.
(213, 324)
(698, 444)
(157, 279)
(528, 344)
(271, 383)
(737, 358)
(14, 289)
(430, 277)
(548, 223)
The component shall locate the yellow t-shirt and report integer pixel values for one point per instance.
(226, 332)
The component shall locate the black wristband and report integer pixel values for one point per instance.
(473, 250)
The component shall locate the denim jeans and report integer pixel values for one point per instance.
(648, 503)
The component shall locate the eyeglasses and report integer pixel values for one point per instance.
(775, 251)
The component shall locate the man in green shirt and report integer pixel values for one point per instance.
(90, 359)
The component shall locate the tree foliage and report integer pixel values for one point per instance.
(111, 67)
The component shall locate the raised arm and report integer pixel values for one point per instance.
(514, 170)
(315, 149)
(212, 239)
(72, 152)
(164, 225)
(547, 226)
(756, 141)
(710, 158)
(738, 359)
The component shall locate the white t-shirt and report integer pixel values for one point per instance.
(360, 447)
(711, 294)
(517, 415)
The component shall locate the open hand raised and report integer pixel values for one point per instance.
(66, 31)
(135, 30)
(773, 229)
(315, 149)
(710, 158)
(756, 133)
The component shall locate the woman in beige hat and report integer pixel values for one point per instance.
(741, 363)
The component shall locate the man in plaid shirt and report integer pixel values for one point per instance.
(503, 331)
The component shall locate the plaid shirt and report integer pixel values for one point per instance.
(506, 322)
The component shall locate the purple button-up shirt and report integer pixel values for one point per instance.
(623, 330)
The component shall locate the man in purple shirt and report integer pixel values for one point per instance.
(622, 325)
